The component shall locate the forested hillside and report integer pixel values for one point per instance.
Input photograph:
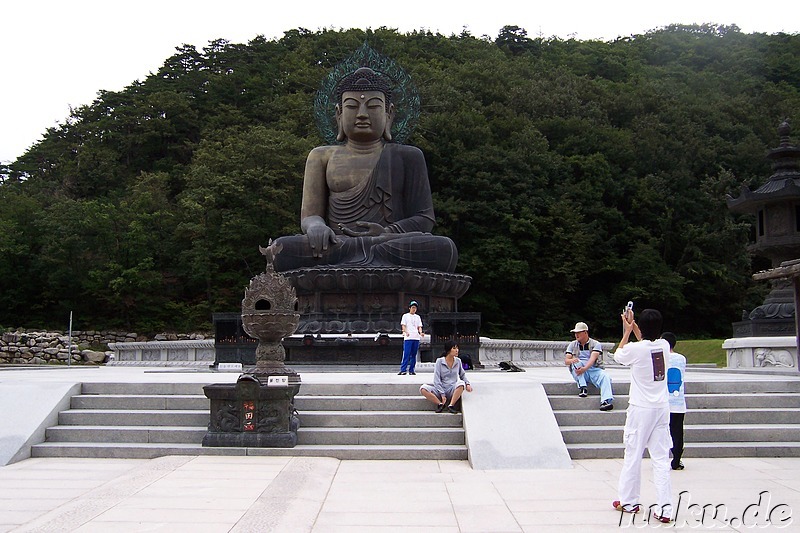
(573, 176)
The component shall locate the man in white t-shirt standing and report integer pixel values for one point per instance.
(412, 333)
(647, 417)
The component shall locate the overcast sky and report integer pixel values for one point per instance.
(58, 53)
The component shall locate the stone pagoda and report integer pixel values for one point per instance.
(776, 207)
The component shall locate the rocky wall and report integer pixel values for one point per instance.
(85, 347)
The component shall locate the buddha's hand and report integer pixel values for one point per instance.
(319, 238)
(365, 229)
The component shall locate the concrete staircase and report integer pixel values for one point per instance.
(725, 419)
(358, 421)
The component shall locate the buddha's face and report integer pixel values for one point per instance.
(362, 115)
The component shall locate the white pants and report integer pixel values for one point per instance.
(646, 428)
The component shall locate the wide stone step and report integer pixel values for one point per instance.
(362, 403)
(200, 402)
(144, 388)
(365, 389)
(379, 419)
(776, 385)
(139, 434)
(590, 403)
(590, 418)
(143, 417)
(146, 417)
(699, 449)
(150, 451)
(189, 435)
(140, 402)
(374, 436)
(764, 400)
(700, 416)
(621, 388)
(692, 433)
(306, 389)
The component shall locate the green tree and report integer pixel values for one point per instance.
(572, 175)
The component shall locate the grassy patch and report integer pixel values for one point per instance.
(95, 347)
(703, 351)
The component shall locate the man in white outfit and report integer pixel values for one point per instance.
(647, 417)
(411, 325)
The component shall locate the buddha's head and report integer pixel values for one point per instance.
(364, 111)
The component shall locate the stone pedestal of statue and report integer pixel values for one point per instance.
(352, 314)
(369, 300)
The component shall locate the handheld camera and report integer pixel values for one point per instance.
(628, 309)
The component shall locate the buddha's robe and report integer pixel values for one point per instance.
(397, 196)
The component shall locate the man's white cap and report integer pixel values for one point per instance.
(580, 326)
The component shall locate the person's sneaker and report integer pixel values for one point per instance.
(440, 408)
(452, 409)
(412, 373)
(606, 406)
(627, 508)
(401, 373)
(678, 466)
(584, 393)
(661, 518)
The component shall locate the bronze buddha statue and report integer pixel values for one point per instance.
(366, 202)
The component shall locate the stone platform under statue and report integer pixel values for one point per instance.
(352, 315)
(370, 300)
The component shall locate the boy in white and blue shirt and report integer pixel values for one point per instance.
(676, 370)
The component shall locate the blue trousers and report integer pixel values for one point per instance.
(410, 349)
(598, 378)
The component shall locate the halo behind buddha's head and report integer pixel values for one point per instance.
(363, 70)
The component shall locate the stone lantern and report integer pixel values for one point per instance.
(776, 207)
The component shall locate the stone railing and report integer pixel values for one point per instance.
(529, 352)
(761, 352)
(128, 349)
(199, 352)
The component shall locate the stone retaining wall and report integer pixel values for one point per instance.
(85, 347)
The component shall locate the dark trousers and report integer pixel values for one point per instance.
(676, 432)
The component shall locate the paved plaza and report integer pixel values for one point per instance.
(316, 494)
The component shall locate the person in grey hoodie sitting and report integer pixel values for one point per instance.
(449, 380)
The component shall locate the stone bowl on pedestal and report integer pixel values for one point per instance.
(269, 328)
(269, 313)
